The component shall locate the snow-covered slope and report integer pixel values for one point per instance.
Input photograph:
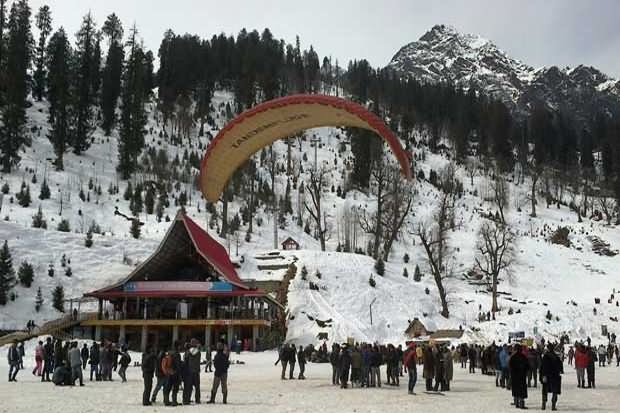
(546, 277)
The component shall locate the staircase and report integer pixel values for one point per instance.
(56, 328)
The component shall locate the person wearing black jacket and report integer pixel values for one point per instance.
(220, 375)
(376, 359)
(292, 359)
(518, 366)
(124, 363)
(149, 365)
(84, 356)
(345, 366)
(590, 370)
(333, 360)
(173, 375)
(283, 357)
(48, 359)
(551, 369)
(301, 359)
(94, 361)
(192, 358)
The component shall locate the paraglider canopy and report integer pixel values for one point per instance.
(281, 118)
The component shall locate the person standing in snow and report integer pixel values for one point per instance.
(48, 359)
(301, 359)
(172, 367)
(571, 355)
(439, 369)
(220, 375)
(448, 368)
(124, 361)
(518, 366)
(375, 367)
(13, 360)
(292, 358)
(283, 360)
(356, 367)
(333, 360)
(365, 366)
(149, 365)
(22, 354)
(590, 370)
(208, 359)
(75, 363)
(533, 359)
(581, 364)
(602, 355)
(192, 360)
(345, 366)
(94, 359)
(159, 374)
(38, 359)
(428, 371)
(410, 366)
(84, 355)
(472, 359)
(550, 376)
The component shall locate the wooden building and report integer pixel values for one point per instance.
(188, 288)
(290, 244)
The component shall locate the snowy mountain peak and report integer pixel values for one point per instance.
(443, 54)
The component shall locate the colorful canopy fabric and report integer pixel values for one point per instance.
(281, 118)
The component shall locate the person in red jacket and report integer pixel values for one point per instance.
(581, 363)
(410, 364)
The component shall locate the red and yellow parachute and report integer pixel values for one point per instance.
(280, 118)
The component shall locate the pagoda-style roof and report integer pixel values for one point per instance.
(185, 245)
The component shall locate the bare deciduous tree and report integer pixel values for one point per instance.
(314, 189)
(435, 237)
(373, 224)
(398, 204)
(608, 207)
(500, 192)
(535, 172)
(495, 253)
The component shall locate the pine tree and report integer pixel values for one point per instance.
(405, 273)
(63, 261)
(7, 273)
(133, 115)
(50, 270)
(88, 242)
(380, 267)
(417, 275)
(59, 95)
(304, 273)
(136, 201)
(149, 200)
(372, 282)
(38, 302)
(111, 87)
(6, 188)
(25, 274)
(38, 220)
(45, 190)
(43, 22)
(68, 272)
(58, 298)
(85, 70)
(23, 197)
(406, 258)
(15, 84)
(64, 226)
(135, 228)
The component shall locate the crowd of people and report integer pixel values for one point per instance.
(515, 367)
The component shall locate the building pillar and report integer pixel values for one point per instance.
(97, 333)
(175, 333)
(100, 309)
(254, 337)
(209, 309)
(208, 336)
(230, 337)
(121, 335)
(144, 339)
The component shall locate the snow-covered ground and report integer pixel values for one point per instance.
(256, 387)
(546, 277)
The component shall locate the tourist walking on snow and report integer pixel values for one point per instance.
(38, 359)
(550, 376)
(159, 374)
(48, 359)
(149, 365)
(94, 359)
(85, 355)
(192, 360)
(301, 359)
(518, 366)
(13, 359)
(292, 359)
(410, 365)
(124, 361)
(220, 376)
(581, 364)
(333, 360)
(75, 363)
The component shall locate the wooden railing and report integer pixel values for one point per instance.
(53, 327)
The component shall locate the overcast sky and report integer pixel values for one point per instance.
(538, 32)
